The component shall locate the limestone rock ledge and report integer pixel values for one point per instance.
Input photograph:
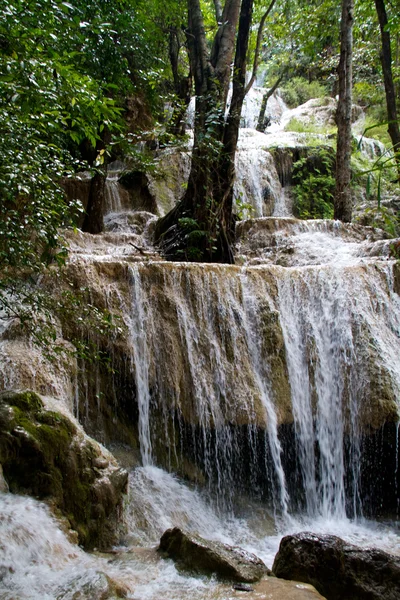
(46, 454)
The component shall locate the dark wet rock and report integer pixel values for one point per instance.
(242, 587)
(44, 454)
(338, 570)
(193, 552)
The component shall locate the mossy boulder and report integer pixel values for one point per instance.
(44, 454)
(194, 553)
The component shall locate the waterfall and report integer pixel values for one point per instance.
(141, 359)
(315, 316)
(267, 400)
(112, 194)
(227, 358)
(262, 377)
(264, 397)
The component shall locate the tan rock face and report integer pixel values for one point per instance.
(273, 588)
(211, 362)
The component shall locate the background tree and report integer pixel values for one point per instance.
(201, 227)
(342, 197)
(390, 91)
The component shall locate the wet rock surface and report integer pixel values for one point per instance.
(272, 588)
(93, 586)
(194, 553)
(45, 454)
(337, 569)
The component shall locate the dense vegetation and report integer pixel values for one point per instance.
(81, 82)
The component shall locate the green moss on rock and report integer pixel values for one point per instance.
(44, 455)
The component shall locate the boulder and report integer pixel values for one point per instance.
(193, 552)
(46, 454)
(337, 569)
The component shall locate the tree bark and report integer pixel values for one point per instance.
(342, 198)
(266, 96)
(94, 218)
(182, 85)
(218, 11)
(200, 227)
(390, 91)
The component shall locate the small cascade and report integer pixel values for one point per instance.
(283, 205)
(262, 376)
(318, 331)
(112, 194)
(371, 148)
(141, 359)
(257, 183)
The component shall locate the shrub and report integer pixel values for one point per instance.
(314, 185)
(298, 90)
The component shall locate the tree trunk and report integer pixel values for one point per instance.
(258, 46)
(342, 199)
(218, 11)
(182, 86)
(200, 227)
(94, 218)
(386, 60)
(261, 126)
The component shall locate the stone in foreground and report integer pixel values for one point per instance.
(193, 552)
(338, 569)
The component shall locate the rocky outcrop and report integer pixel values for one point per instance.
(45, 454)
(195, 553)
(338, 569)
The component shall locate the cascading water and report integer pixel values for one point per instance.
(263, 377)
(263, 390)
(211, 341)
(317, 326)
(141, 359)
(112, 195)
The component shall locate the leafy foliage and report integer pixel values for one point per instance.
(314, 185)
(298, 90)
(65, 69)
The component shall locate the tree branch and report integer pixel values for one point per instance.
(267, 95)
(258, 46)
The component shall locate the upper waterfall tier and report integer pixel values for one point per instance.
(291, 242)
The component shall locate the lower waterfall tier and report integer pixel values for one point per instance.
(268, 392)
(282, 380)
(38, 562)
